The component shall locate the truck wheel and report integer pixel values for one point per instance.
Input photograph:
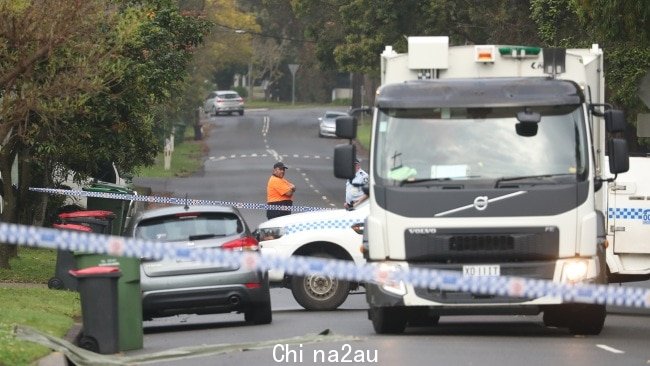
(587, 319)
(259, 314)
(319, 292)
(388, 320)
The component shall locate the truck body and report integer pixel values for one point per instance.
(491, 160)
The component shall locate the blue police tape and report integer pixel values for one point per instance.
(346, 270)
(174, 200)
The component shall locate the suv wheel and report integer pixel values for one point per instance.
(388, 320)
(259, 313)
(319, 292)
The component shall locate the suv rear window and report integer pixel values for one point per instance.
(189, 226)
(230, 96)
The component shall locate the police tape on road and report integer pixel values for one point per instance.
(175, 200)
(345, 270)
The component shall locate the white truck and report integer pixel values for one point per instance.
(497, 161)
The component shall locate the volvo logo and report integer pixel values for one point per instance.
(422, 231)
(480, 203)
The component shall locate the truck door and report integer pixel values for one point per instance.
(629, 210)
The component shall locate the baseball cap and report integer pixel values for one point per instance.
(357, 160)
(280, 165)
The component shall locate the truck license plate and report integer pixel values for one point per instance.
(482, 270)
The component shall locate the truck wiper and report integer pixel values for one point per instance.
(531, 177)
(429, 180)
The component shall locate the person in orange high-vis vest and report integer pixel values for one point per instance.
(279, 191)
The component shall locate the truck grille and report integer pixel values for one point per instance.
(481, 245)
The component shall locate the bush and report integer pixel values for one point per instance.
(243, 92)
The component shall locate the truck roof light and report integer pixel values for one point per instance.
(484, 53)
(519, 51)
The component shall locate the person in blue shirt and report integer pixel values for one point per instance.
(354, 193)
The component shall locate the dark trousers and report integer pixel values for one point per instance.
(270, 214)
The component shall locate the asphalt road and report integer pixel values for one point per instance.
(242, 152)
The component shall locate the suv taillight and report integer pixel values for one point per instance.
(241, 244)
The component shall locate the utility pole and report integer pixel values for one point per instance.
(293, 68)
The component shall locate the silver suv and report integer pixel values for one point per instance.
(224, 101)
(172, 287)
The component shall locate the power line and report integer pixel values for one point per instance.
(264, 35)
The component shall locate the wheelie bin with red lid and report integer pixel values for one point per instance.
(65, 261)
(130, 296)
(97, 221)
(99, 310)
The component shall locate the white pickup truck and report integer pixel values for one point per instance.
(335, 234)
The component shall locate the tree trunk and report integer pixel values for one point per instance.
(196, 123)
(357, 82)
(5, 255)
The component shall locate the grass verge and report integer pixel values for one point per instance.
(22, 302)
(186, 159)
(363, 134)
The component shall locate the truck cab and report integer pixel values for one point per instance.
(489, 161)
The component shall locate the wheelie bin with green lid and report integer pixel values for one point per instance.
(118, 206)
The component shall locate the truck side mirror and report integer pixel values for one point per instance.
(346, 127)
(614, 120)
(344, 161)
(619, 159)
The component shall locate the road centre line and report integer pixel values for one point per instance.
(609, 349)
(262, 155)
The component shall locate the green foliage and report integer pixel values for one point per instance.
(556, 20)
(242, 91)
(626, 65)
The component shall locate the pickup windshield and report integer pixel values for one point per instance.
(452, 144)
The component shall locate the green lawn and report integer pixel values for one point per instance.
(186, 159)
(23, 302)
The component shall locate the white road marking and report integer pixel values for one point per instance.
(609, 349)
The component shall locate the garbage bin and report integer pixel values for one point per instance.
(130, 296)
(128, 286)
(99, 310)
(65, 261)
(99, 221)
(119, 207)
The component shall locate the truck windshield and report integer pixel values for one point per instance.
(443, 144)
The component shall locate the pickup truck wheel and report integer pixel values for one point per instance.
(388, 320)
(319, 292)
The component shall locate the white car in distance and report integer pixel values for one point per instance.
(331, 234)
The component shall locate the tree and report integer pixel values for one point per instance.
(625, 39)
(81, 88)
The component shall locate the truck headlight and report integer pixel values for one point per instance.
(575, 271)
(270, 233)
(384, 273)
